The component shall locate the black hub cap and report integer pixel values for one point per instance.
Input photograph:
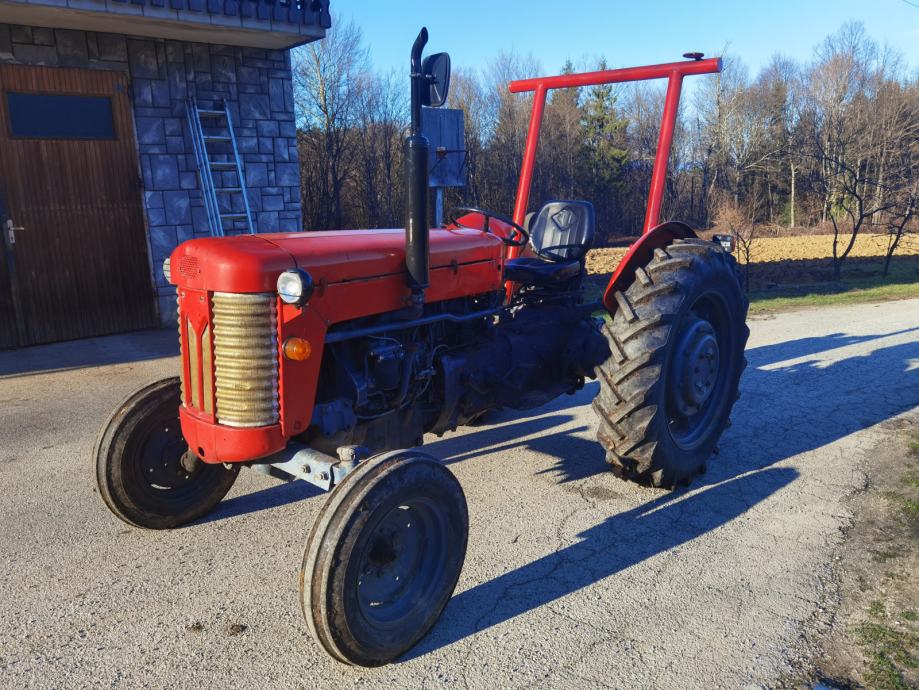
(162, 459)
(165, 469)
(697, 375)
(402, 564)
(695, 367)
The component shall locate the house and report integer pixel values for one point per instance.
(115, 146)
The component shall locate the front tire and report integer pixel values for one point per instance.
(677, 343)
(383, 557)
(144, 470)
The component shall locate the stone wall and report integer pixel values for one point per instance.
(255, 83)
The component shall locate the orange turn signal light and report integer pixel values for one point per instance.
(297, 349)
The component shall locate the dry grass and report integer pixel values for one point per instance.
(795, 271)
(773, 250)
(600, 261)
(770, 249)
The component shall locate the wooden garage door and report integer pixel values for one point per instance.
(75, 253)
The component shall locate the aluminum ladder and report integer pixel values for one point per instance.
(220, 170)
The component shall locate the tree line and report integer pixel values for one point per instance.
(833, 142)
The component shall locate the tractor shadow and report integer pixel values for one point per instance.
(792, 405)
(284, 493)
(576, 457)
(602, 551)
(456, 446)
(798, 396)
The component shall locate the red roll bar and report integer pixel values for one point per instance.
(673, 72)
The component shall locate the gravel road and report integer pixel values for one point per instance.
(573, 578)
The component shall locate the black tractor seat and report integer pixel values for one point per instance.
(560, 235)
(540, 272)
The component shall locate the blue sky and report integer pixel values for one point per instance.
(626, 32)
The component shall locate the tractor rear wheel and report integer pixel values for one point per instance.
(384, 557)
(677, 342)
(146, 473)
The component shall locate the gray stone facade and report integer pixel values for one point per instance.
(255, 84)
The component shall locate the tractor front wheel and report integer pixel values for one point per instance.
(677, 341)
(383, 558)
(146, 473)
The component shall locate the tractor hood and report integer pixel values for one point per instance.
(252, 263)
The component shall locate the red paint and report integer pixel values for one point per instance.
(228, 444)
(194, 308)
(245, 263)
(357, 274)
(252, 263)
(640, 254)
(617, 76)
(662, 157)
(529, 160)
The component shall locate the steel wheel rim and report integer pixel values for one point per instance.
(402, 562)
(705, 340)
(156, 464)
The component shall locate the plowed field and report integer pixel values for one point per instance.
(775, 250)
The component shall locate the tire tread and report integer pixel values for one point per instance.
(639, 339)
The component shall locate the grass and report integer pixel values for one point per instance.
(886, 631)
(886, 649)
(860, 283)
(909, 507)
(826, 294)
(886, 555)
(911, 479)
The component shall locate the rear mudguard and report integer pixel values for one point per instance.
(640, 254)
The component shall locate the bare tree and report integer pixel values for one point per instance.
(330, 78)
(506, 131)
(467, 93)
(738, 221)
(827, 141)
(379, 152)
(900, 218)
(856, 118)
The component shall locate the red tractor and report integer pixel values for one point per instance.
(323, 356)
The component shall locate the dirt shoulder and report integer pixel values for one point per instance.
(874, 639)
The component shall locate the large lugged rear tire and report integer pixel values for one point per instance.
(144, 470)
(677, 342)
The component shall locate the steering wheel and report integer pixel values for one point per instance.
(518, 239)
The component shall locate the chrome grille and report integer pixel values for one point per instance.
(245, 359)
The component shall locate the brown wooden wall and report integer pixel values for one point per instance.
(81, 260)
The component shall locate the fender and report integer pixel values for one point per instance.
(640, 254)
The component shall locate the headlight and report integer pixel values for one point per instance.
(295, 287)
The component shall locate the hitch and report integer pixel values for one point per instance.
(319, 469)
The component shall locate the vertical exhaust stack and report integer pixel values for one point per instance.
(417, 233)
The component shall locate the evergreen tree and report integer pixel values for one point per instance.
(607, 155)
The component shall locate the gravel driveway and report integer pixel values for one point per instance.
(573, 578)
